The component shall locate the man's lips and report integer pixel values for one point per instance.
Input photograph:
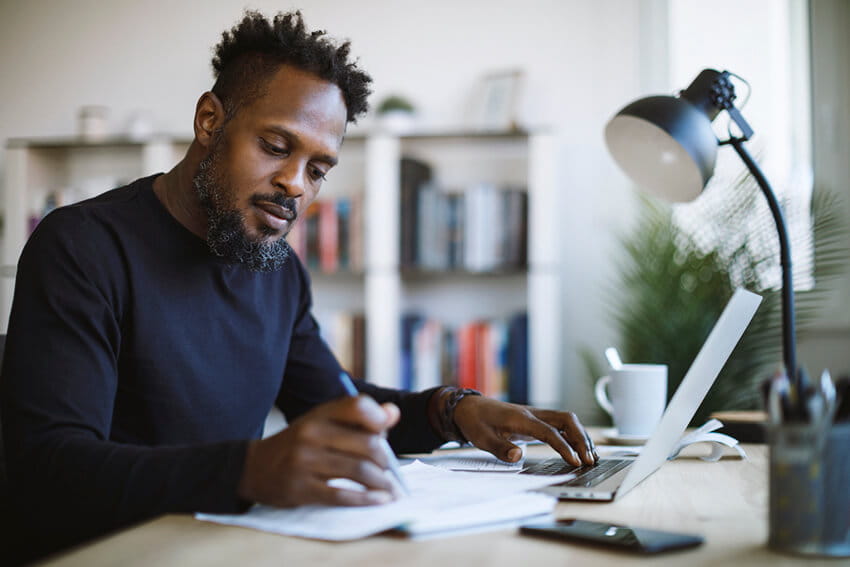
(275, 216)
(276, 210)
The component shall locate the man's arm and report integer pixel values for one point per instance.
(428, 418)
(58, 392)
(312, 378)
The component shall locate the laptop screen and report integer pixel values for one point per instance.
(694, 386)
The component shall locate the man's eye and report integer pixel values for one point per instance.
(273, 149)
(319, 174)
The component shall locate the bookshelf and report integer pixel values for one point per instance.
(459, 160)
(383, 290)
(63, 171)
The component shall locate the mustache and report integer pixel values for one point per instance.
(278, 199)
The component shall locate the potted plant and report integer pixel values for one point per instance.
(396, 114)
(672, 288)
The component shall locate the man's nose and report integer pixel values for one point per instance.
(290, 179)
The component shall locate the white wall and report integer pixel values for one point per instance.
(583, 60)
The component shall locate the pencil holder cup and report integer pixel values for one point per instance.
(810, 489)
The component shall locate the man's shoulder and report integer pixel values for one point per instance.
(126, 197)
(111, 206)
(93, 219)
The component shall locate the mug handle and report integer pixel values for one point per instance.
(602, 395)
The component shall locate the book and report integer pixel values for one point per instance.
(517, 359)
(466, 357)
(513, 245)
(432, 245)
(427, 346)
(449, 361)
(497, 382)
(454, 228)
(328, 236)
(500, 513)
(311, 236)
(490, 356)
(413, 175)
(409, 324)
(358, 346)
(440, 502)
(356, 235)
(343, 249)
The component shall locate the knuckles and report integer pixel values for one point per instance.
(375, 447)
(363, 469)
(307, 431)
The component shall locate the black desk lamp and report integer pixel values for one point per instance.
(666, 145)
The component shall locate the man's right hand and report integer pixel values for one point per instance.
(339, 439)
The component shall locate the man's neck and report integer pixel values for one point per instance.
(175, 191)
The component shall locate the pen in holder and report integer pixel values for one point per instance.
(810, 488)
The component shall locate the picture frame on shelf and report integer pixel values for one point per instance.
(496, 105)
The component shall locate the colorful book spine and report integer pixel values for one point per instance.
(328, 237)
(487, 355)
(343, 215)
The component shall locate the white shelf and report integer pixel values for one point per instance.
(369, 164)
(460, 159)
(73, 169)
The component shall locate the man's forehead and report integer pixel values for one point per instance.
(295, 96)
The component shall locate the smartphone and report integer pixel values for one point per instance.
(626, 538)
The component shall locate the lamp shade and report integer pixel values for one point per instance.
(665, 145)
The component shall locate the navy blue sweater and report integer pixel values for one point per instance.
(138, 365)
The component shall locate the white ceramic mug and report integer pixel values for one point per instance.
(635, 398)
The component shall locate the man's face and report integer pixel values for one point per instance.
(267, 165)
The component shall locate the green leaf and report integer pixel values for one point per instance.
(672, 288)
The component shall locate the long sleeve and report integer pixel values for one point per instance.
(59, 391)
(138, 367)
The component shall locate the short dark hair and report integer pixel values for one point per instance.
(253, 50)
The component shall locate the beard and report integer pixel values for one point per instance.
(227, 233)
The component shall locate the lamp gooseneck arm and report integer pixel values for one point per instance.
(788, 317)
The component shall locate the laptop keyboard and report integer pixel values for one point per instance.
(586, 475)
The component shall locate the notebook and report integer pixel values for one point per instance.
(612, 477)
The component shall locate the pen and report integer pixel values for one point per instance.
(395, 469)
(842, 399)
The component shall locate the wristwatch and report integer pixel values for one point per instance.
(448, 426)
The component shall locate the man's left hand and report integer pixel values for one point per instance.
(491, 425)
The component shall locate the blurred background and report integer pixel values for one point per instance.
(77, 74)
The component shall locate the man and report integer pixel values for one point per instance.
(154, 326)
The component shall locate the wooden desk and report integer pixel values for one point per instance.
(726, 502)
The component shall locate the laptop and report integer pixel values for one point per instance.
(613, 476)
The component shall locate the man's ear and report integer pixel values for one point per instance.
(209, 118)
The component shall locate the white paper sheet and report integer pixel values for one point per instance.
(503, 512)
(474, 460)
(434, 491)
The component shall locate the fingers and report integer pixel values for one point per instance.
(571, 429)
(324, 493)
(393, 414)
(552, 437)
(360, 412)
(372, 477)
(522, 424)
(502, 448)
(339, 438)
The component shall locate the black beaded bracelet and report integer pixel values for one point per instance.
(448, 426)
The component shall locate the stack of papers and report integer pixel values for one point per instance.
(441, 501)
(473, 460)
